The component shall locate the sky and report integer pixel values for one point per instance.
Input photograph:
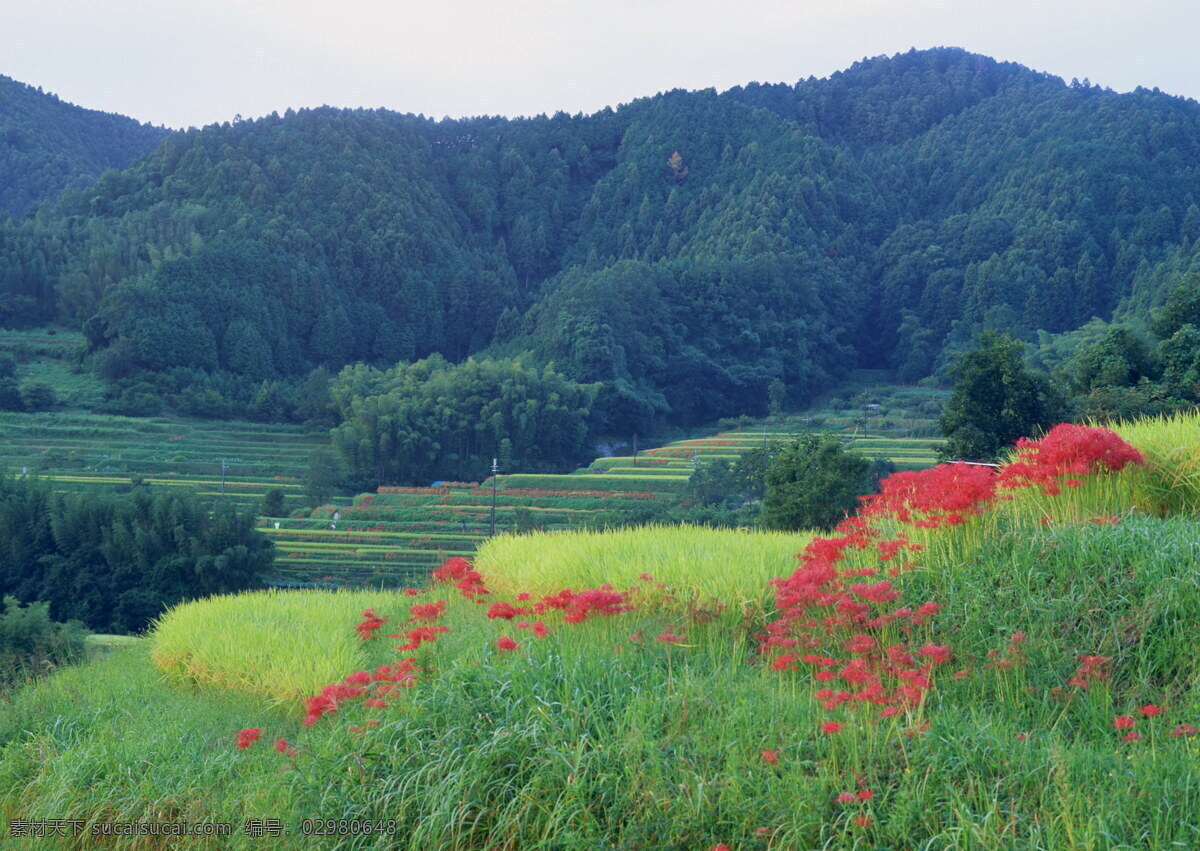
(192, 63)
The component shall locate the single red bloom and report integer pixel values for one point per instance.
(770, 757)
(721, 847)
(1022, 737)
(865, 794)
(245, 738)
(1150, 710)
(506, 643)
(1184, 730)
(846, 798)
(1132, 736)
(830, 727)
(862, 821)
(1123, 722)
(540, 630)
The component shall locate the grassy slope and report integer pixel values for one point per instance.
(570, 741)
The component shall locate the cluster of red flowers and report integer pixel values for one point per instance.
(1126, 723)
(469, 582)
(380, 684)
(944, 495)
(830, 622)
(1066, 450)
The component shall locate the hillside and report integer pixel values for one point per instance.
(48, 145)
(684, 250)
(981, 659)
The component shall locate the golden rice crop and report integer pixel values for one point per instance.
(284, 645)
(733, 565)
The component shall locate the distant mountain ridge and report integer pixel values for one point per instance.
(48, 145)
(686, 249)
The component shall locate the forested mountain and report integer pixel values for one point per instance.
(682, 251)
(48, 145)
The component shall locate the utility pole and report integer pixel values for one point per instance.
(495, 471)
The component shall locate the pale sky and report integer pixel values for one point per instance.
(196, 62)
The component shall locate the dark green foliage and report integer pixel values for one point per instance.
(1121, 358)
(115, 562)
(37, 395)
(1182, 308)
(272, 503)
(32, 644)
(688, 251)
(48, 145)
(995, 401)
(814, 483)
(323, 477)
(430, 420)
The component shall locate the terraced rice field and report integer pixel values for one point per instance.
(395, 536)
(80, 451)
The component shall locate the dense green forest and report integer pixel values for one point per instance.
(48, 145)
(682, 252)
(116, 561)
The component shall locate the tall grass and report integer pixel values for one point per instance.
(1170, 481)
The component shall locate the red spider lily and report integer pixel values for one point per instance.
(420, 635)
(831, 727)
(1132, 736)
(427, 611)
(862, 821)
(369, 625)
(245, 738)
(281, 745)
(1123, 722)
(1184, 730)
(721, 847)
(1090, 668)
(1066, 450)
(668, 637)
(359, 678)
(784, 662)
(846, 798)
(770, 757)
(1022, 737)
(937, 653)
(506, 643)
(1150, 710)
(540, 630)
(865, 794)
(1106, 520)
(506, 611)
(939, 496)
